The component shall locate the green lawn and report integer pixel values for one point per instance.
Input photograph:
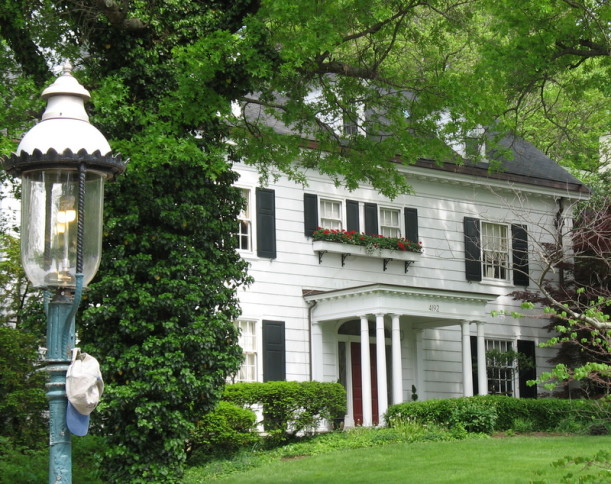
(493, 460)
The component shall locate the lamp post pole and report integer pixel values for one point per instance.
(63, 162)
(60, 341)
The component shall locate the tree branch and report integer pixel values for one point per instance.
(376, 27)
(25, 50)
(117, 15)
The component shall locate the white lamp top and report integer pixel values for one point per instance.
(65, 124)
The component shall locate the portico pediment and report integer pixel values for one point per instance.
(438, 307)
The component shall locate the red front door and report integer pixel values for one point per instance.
(357, 383)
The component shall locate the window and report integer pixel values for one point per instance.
(350, 122)
(390, 222)
(331, 214)
(245, 223)
(500, 366)
(473, 148)
(507, 370)
(487, 251)
(495, 251)
(248, 343)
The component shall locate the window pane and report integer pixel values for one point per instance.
(331, 214)
(390, 225)
(500, 366)
(248, 343)
(245, 225)
(495, 248)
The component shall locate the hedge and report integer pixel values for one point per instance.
(290, 407)
(499, 413)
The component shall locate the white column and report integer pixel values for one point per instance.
(420, 384)
(381, 368)
(366, 373)
(397, 364)
(317, 353)
(482, 377)
(467, 375)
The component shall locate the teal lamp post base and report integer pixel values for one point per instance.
(60, 341)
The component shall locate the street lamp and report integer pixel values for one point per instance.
(63, 162)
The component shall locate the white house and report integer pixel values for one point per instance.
(418, 323)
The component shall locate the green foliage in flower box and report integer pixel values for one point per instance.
(370, 242)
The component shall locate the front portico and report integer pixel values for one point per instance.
(371, 339)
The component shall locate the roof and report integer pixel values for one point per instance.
(528, 165)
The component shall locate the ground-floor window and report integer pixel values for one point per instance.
(510, 365)
(500, 367)
(248, 343)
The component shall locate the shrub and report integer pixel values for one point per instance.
(22, 389)
(290, 407)
(19, 465)
(224, 430)
(474, 417)
(500, 413)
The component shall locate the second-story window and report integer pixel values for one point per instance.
(245, 223)
(390, 222)
(331, 214)
(495, 251)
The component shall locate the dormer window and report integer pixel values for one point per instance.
(474, 145)
(350, 122)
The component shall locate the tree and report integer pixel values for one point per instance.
(160, 317)
(407, 78)
(557, 83)
(411, 77)
(575, 287)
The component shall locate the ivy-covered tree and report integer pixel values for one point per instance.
(160, 316)
(401, 79)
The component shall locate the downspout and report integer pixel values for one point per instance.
(311, 306)
(559, 223)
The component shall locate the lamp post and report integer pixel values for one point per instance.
(63, 162)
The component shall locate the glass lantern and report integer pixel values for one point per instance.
(49, 226)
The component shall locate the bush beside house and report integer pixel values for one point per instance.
(290, 408)
(500, 413)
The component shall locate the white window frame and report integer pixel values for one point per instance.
(501, 379)
(496, 251)
(388, 227)
(248, 341)
(334, 219)
(245, 227)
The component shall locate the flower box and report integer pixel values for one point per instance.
(323, 247)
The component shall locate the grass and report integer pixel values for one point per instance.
(510, 460)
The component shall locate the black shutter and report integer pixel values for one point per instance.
(310, 214)
(352, 216)
(474, 364)
(527, 348)
(473, 264)
(371, 219)
(274, 352)
(411, 224)
(520, 255)
(266, 223)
